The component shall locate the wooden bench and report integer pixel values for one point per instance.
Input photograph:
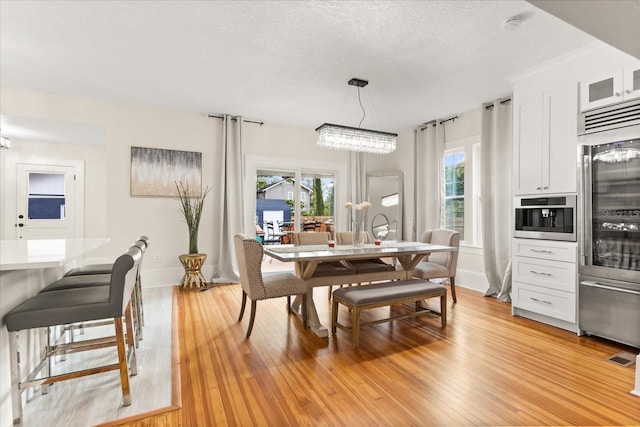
(358, 298)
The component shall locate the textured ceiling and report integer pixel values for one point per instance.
(282, 62)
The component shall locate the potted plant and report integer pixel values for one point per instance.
(191, 208)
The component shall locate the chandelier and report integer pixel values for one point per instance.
(356, 139)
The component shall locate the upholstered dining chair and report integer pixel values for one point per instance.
(440, 265)
(258, 285)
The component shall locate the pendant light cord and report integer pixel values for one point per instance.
(363, 112)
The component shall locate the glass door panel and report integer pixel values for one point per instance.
(616, 205)
(317, 202)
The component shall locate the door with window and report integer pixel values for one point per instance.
(285, 204)
(46, 205)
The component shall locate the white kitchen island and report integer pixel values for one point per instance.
(27, 266)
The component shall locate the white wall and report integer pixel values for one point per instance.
(110, 210)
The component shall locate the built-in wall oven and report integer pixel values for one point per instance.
(548, 217)
(609, 226)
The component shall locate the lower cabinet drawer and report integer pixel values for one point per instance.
(548, 302)
(551, 274)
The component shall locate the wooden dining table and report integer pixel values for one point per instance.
(307, 257)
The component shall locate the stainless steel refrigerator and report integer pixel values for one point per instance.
(609, 270)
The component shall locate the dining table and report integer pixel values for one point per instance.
(405, 254)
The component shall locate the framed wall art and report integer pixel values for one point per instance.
(155, 171)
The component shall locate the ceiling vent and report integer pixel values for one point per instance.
(611, 117)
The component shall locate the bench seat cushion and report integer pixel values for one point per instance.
(387, 291)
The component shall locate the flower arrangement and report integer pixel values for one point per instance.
(358, 212)
(191, 208)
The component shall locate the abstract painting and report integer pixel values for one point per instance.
(154, 171)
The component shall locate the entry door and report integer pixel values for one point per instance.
(46, 201)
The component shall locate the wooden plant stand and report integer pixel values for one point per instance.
(193, 278)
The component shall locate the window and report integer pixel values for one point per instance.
(303, 196)
(454, 191)
(461, 207)
(289, 195)
(46, 196)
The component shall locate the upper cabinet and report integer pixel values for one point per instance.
(619, 85)
(545, 142)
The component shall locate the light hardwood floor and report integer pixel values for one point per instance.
(485, 368)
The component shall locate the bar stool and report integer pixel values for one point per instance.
(67, 306)
(101, 269)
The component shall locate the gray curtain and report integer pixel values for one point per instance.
(429, 182)
(496, 199)
(230, 201)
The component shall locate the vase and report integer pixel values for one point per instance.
(193, 277)
(359, 235)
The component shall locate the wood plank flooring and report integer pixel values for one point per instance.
(485, 368)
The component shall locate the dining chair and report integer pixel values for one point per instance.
(258, 285)
(440, 265)
(309, 226)
(271, 235)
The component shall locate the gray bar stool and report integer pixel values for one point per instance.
(101, 269)
(66, 306)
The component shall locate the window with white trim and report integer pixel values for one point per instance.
(454, 191)
(461, 208)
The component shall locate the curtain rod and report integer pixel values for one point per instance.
(235, 119)
(433, 122)
(502, 101)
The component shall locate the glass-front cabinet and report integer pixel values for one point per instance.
(610, 88)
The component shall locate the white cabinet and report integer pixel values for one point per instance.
(610, 88)
(545, 142)
(545, 281)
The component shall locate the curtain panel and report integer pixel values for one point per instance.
(230, 201)
(429, 178)
(497, 206)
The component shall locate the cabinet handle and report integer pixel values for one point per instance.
(545, 188)
(628, 91)
(539, 300)
(542, 251)
(617, 94)
(541, 273)
(538, 188)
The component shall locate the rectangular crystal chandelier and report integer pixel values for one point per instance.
(356, 139)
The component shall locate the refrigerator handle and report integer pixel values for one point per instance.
(585, 203)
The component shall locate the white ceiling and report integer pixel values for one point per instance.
(284, 62)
